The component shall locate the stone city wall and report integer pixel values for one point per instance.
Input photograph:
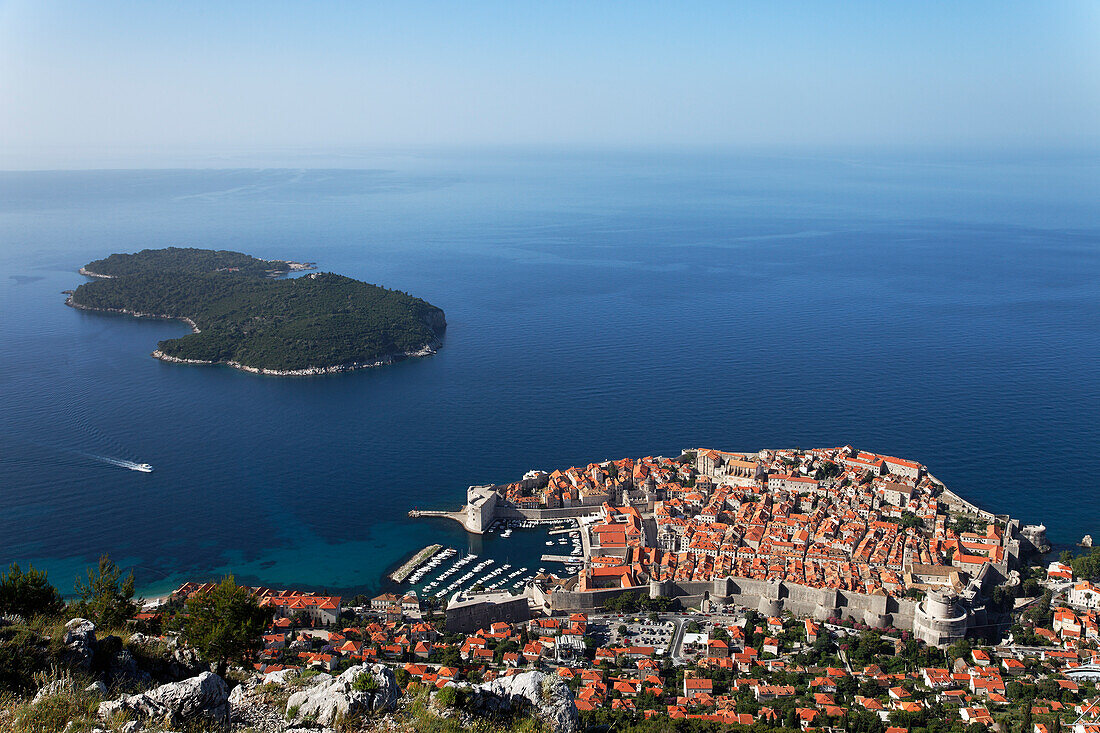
(770, 598)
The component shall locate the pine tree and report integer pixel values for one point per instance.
(1025, 724)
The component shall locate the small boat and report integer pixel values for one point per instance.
(143, 467)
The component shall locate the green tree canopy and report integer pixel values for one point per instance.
(321, 320)
(226, 624)
(28, 593)
(106, 597)
(1087, 565)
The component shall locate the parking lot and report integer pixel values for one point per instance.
(641, 632)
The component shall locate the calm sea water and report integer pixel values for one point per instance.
(600, 305)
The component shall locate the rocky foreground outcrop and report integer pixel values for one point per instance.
(193, 697)
(79, 639)
(203, 698)
(329, 700)
(108, 659)
(547, 697)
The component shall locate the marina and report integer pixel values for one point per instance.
(504, 561)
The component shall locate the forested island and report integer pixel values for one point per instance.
(245, 314)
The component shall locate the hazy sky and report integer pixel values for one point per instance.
(79, 76)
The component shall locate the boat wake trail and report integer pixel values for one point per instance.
(130, 465)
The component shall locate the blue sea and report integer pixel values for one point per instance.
(939, 306)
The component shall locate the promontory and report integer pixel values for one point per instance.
(244, 312)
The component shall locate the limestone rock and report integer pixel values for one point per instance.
(328, 699)
(80, 639)
(170, 663)
(239, 695)
(546, 696)
(281, 677)
(123, 669)
(249, 710)
(197, 698)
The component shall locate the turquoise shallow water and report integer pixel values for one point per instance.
(600, 305)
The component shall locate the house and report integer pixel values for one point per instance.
(772, 692)
(410, 605)
(936, 678)
(319, 610)
(718, 649)
(326, 662)
(695, 686)
(1059, 571)
(275, 641)
(1085, 595)
(899, 693)
(532, 652)
(384, 601)
(806, 717)
(976, 715)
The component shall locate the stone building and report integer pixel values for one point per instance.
(481, 504)
(470, 612)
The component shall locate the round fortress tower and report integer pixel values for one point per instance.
(940, 619)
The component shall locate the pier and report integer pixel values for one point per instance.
(459, 516)
(417, 560)
(563, 558)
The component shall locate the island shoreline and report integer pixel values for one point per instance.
(428, 349)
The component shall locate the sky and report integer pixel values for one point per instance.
(139, 79)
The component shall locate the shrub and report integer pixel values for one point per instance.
(447, 697)
(106, 597)
(365, 682)
(28, 594)
(226, 624)
(23, 653)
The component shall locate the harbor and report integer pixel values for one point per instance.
(506, 557)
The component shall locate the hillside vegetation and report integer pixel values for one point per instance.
(184, 260)
(246, 317)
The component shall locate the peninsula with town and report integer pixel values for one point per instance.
(826, 590)
(245, 313)
(830, 534)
